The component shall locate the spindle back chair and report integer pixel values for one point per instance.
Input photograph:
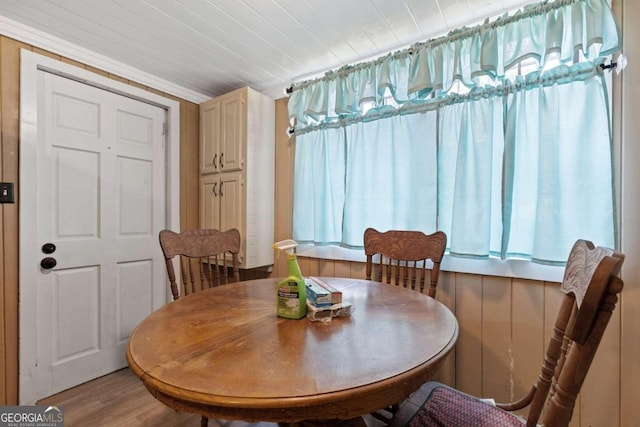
(402, 257)
(205, 258)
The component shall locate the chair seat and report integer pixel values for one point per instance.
(447, 407)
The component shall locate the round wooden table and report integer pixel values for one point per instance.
(224, 353)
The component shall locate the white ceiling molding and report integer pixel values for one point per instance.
(31, 36)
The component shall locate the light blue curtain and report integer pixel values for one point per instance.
(568, 29)
(559, 151)
(318, 190)
(391, 179)
(512, 168)
(470, 175)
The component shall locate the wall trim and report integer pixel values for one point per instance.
(40, 39)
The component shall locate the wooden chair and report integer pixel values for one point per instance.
(403, 257)
(204, 258)
(402, 260)
(590, 286)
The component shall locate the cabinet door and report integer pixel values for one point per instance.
(209, 136)
(231, 201)
(232, 129)
(209, 202)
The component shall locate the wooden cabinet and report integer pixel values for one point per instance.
(237, 170)
(222, 131)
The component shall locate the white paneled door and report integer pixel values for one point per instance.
(100, 186)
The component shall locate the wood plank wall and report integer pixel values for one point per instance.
(9, 213)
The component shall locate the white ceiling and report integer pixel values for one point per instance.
(211, 47)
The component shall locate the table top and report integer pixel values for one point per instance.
(224, 353)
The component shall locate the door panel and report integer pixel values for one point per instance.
(101, 201)
(232, 128)
(135, 197)
(135, 289)
(210, 135)
(76, 326)
(209, 202)
(77, 182)
(230, 201)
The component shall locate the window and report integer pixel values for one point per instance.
(510, 161)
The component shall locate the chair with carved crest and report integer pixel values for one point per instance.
(402, 259)
(205, 257)
(403, 255)
(591, 286)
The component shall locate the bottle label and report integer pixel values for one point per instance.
(289, 298)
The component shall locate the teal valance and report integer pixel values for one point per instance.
(567, 31)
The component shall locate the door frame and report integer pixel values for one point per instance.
(30, 64)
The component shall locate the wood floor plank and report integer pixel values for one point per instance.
(120, 399)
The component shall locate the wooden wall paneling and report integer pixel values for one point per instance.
(189, 178)
(602, 384)
(303, 262)
(527, 332)
(468, 297)
(148, 89)
(97, 71)
(10, 98)
(358, 270)
(342, 269)
(314, 267)
(3, 337)
(446, 294)
(497, 359)
(45, 53)
(10, 90)
(326, 268)
(283, 180)
(72, 62)
(118, 78)
(626, 107)
(308, 266)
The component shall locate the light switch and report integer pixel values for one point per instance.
(6, 192)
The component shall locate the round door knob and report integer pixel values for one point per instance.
(48, 248)
(48, 263)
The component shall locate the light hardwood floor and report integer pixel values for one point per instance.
(119, 399)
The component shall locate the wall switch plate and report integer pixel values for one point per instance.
(6, 192)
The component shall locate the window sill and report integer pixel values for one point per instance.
(521, 269)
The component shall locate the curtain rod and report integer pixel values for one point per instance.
(524, 12)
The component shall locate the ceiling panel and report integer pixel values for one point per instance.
(210, 47)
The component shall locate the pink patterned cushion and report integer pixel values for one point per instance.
(446, 407)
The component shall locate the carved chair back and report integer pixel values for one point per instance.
(402, 257)
(591, 289)
(591, 286)
(205, 258)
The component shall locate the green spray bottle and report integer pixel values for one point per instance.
(291, 293)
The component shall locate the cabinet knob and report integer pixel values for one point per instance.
(215, 161)
(221, 160)
(215, 186)
(221, 184)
